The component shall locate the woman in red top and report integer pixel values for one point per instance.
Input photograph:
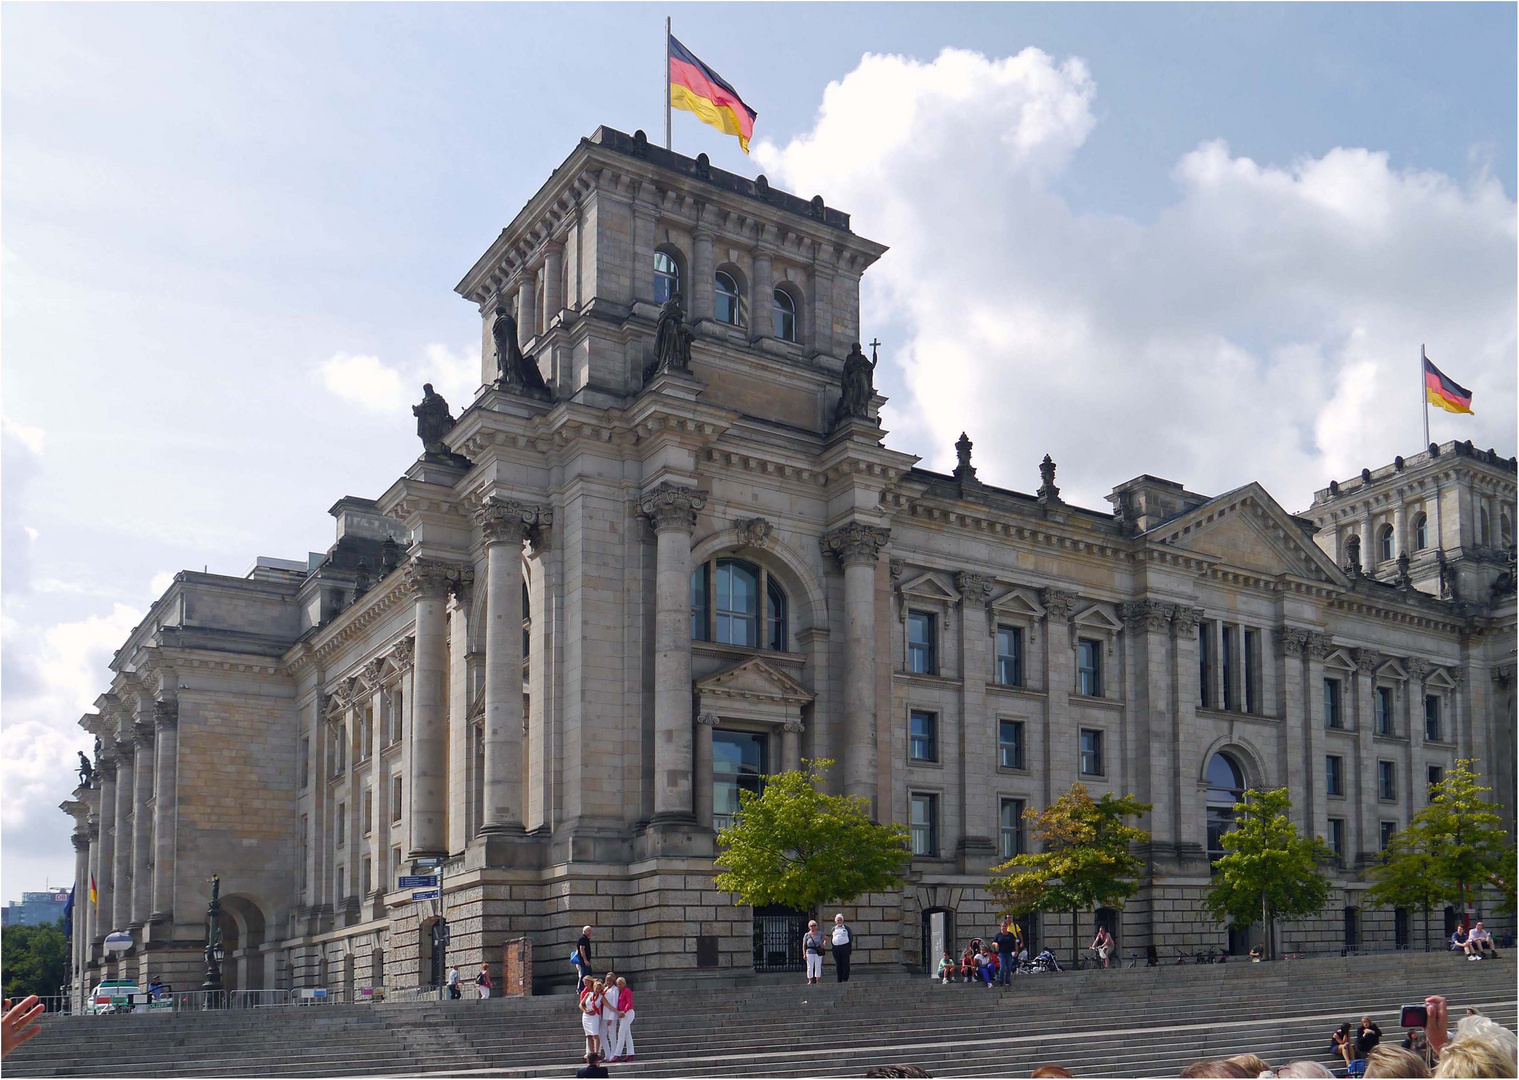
(590, 1015)
(623, 1051)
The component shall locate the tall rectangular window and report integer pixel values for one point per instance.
(1333, 717)
(925, 824)
(1009, 656)
(301, 854)
(1337, 839)
(1091, 752)
(1089, 667)
(1387, 781)
(1012, 827)
(699, 607)
(342, 823)
(368, 875)
(1384, 710)
(1389, 830)
(368, 811)
(366, 735)
(1010, 744)
(395, 869)
(1431, 718)
(920, 643)
(1252, 660)
(342, 881)
(1334, 776)
(397, 704)
(1434, 775)
(1227, 667)
(922, 739)
(305, 761)
(395, 800)
(1205, 665)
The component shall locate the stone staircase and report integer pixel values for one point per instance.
(1128, 1022)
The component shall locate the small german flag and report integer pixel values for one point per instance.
(1440, 389)
(697, 88)
(94, 898)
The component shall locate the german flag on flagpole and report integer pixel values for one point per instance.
(698, 89)
(1443, 391)
(94, 899)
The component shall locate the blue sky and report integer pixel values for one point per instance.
(206, 207)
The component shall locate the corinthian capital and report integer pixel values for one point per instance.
(1150, 615)
(166, 713)
(429, 579)
(504, 521)
(1290, 641)
(1057, 603)
(670, 506)
(1319, 645)
(1365, 660)
(1184, 621)
(1417, 668)
(975, 588)
(855, 544)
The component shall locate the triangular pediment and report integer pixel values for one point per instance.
(1018, 602)
(1340, 660)
(1097, 617)
(1392, 670)
(754, 679)
(1439, 680)
(930, 586)
(1248, 529)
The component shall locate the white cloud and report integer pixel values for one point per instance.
(1266, 326)
(30, 437)
(377, 386)
(364, 380)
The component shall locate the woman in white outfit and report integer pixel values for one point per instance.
(609, 1015)
(590, 1015)
(623, 1051)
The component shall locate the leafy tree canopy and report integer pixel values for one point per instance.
(1406, 875)
(1468, 842)
(1085, 860)
(33, 960)
(796, 847)
(1270, 869)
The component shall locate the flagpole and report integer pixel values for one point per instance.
(1424, 395)
(667, 83)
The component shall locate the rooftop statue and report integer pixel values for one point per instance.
(433, 420)
(858, 385)
(516, 373)
(672, 338)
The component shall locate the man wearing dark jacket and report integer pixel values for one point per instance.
(1007, 948)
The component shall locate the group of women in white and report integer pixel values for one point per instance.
(606, 1017)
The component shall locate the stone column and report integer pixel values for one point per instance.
(761, 300)
(1059, 679)
(427, 784)
(142, 822)
(645, 225)
(672, 512)
(702, 760)
(505, 526)
(121, 895)
(1148, 622)
(1316, 813)
(166, 743)
(791, 748)
(553, 281)
(819, 329)
(703, 275)
(80, 945)
(857, 547)
(527, 312)
(977, 750)
(105, 869)
(1189, 738)
(1369, 832)
(1298, 768)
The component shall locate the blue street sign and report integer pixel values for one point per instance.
(425, 894)
(418, 881)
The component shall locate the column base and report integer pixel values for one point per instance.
(676, 834)
(976, 854)
(510, 850)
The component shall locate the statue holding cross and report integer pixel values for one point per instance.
(858, 384)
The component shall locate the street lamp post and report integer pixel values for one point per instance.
(214, 951)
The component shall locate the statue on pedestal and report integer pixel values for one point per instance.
(86, 770)
(515, 372)
(433, 421)
(672, 338)
(858, 385)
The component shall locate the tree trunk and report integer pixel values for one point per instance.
(1073, 937)
(1426, 929)
(1266, 925)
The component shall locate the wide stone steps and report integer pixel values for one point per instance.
(1128, 1022)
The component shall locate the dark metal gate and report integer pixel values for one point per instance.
(778, 940)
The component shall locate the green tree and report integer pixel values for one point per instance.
(797, 847)
(1085, 860)
(1503, 880)
(1406, 876)
(1467, 830)
(33, 959)
(1270, 871)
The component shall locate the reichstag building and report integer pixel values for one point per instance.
(664, 552)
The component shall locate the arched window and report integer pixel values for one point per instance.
(1484, 541)
(725, 606)
(726, 298)
(785, 315)
(1384, 543)
(1226, 783)
(666, 277)
(1421, 532)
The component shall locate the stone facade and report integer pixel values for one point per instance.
(547, 656)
